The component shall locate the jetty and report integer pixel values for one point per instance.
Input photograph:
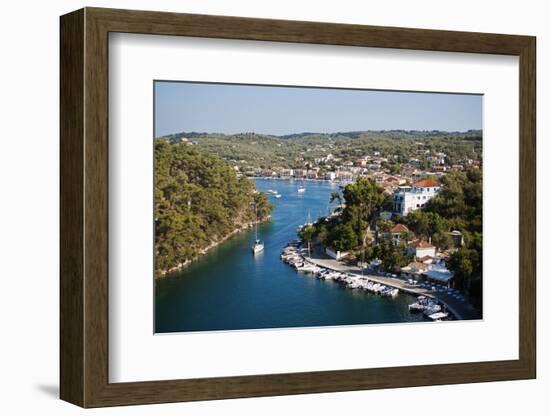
(460, 310)
(319, 264)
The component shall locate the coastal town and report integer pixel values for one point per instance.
(289, 207)
(425, 276)
(421, 268)
(386, 171)
(343, 158)
(403, 243)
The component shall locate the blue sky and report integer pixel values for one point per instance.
(226, 108)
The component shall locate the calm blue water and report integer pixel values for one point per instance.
(230, 288)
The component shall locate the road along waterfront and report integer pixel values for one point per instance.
(459, 310)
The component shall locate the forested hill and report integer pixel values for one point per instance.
(291, 151)
(199, 201)
(393, 134)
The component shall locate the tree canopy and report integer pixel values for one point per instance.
(198, 200)
(248, 150)
(458, 206)
(347, 231)
(363, 199)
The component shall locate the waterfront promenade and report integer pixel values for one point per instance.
(461, 310)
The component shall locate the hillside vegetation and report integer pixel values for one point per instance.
(199, 201)
(248, 150)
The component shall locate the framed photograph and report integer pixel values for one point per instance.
(255, 207)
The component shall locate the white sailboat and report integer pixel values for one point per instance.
(258, 246)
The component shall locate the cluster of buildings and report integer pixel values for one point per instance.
(423, 172)
(411, 185)
(382, 176)
(428, 262)
(393, 177)
(327, 167)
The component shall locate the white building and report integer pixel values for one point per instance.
(421, 249)
(407, 199)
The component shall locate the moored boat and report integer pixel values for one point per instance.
(258, 246)
(432, 309)
(416, 307)
(438, 316)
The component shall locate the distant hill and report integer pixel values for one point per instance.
(253, 149)
(348, 134)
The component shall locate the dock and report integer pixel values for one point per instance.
(459, 310)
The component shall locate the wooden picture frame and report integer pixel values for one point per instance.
(84, 207)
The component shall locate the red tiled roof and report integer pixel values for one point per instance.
(426, 183)
(421, 244)
(398, 229)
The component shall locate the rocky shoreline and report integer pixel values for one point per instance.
(212, 245)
